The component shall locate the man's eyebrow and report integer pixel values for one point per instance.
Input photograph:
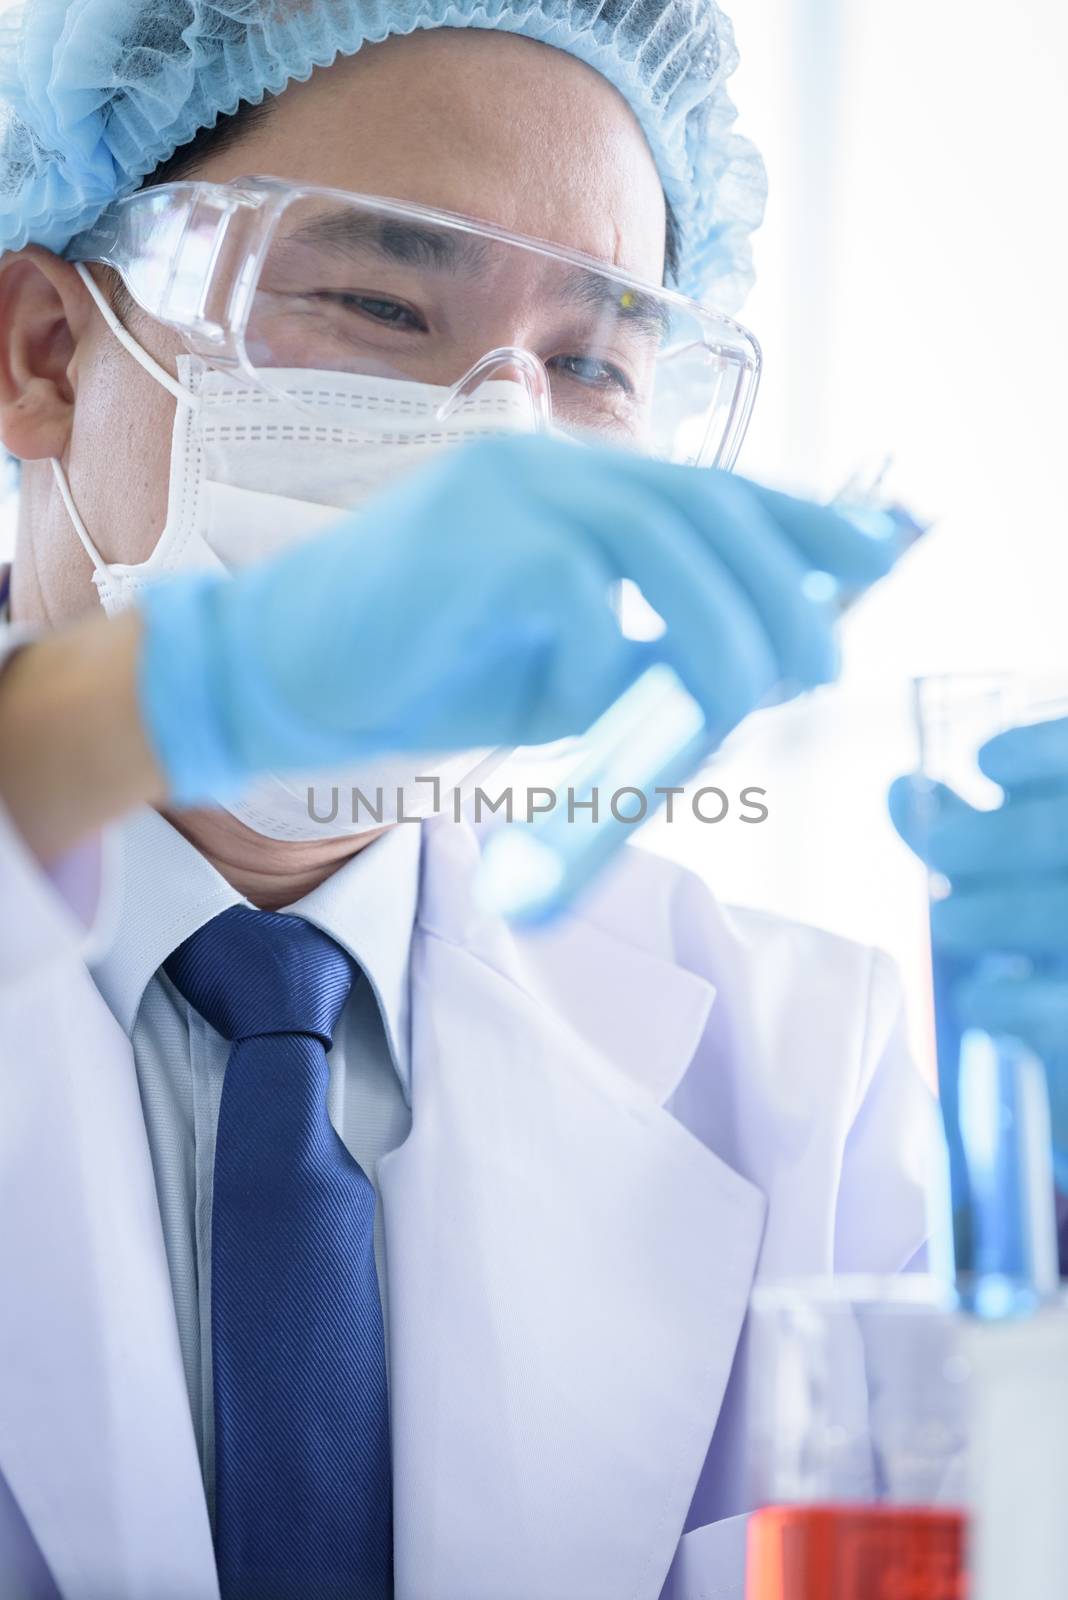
(635, 307)
(411, 243)
(421, 244)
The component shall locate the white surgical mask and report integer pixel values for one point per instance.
(257, 470)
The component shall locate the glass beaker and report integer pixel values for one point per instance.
(859, 1399)
(993, 1089)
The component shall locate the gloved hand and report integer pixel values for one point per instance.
(470, 605)
(1008, 876)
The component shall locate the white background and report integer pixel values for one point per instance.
(911, 297)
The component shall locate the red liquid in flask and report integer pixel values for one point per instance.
(856, 1552)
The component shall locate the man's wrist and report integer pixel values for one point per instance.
(73, 751)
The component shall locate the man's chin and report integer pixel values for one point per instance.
(269, 872)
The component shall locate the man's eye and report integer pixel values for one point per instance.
(389, 312)
(593, 372)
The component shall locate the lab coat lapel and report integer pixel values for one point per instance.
(568, 1270)
(96, 1441)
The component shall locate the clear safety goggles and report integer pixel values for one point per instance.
(262, 277)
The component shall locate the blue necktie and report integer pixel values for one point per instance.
(302, 1464)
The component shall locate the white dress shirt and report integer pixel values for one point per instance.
(169, 891)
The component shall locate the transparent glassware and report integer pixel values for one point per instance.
(993, 1090)
(860, 1400)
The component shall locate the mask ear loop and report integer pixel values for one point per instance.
(130, 344)
(154, 370)
(63, 485)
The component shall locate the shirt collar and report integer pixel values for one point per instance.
(169, 890)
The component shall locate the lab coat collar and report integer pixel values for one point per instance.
(169, 890)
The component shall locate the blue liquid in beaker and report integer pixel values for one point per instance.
(995, 1107)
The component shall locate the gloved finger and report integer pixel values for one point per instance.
(824, 539)
(829, 540)
(1033, 1009)
(715, 636)
(581, 661)
(916, 804)
(1035, 754)
(1030, 918)
(1028, 835)
(765, 618)
(799, 618)
(737, 624)
(584, 663)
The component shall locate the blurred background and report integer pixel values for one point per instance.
(911, 299)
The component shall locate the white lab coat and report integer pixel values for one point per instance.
(617, 1125)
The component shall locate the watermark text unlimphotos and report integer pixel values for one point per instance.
(709, 804)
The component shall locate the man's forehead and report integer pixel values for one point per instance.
(526, 136)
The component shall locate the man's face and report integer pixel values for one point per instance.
(487, 124)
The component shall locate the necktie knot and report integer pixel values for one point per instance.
(250, 973)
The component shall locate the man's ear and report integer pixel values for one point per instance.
(44, 309)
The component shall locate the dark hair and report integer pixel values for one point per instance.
(228, 130)
(224, 132)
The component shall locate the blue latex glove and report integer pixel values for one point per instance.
(1008, 876)
(470, 605)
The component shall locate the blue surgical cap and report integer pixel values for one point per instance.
(94, 94)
